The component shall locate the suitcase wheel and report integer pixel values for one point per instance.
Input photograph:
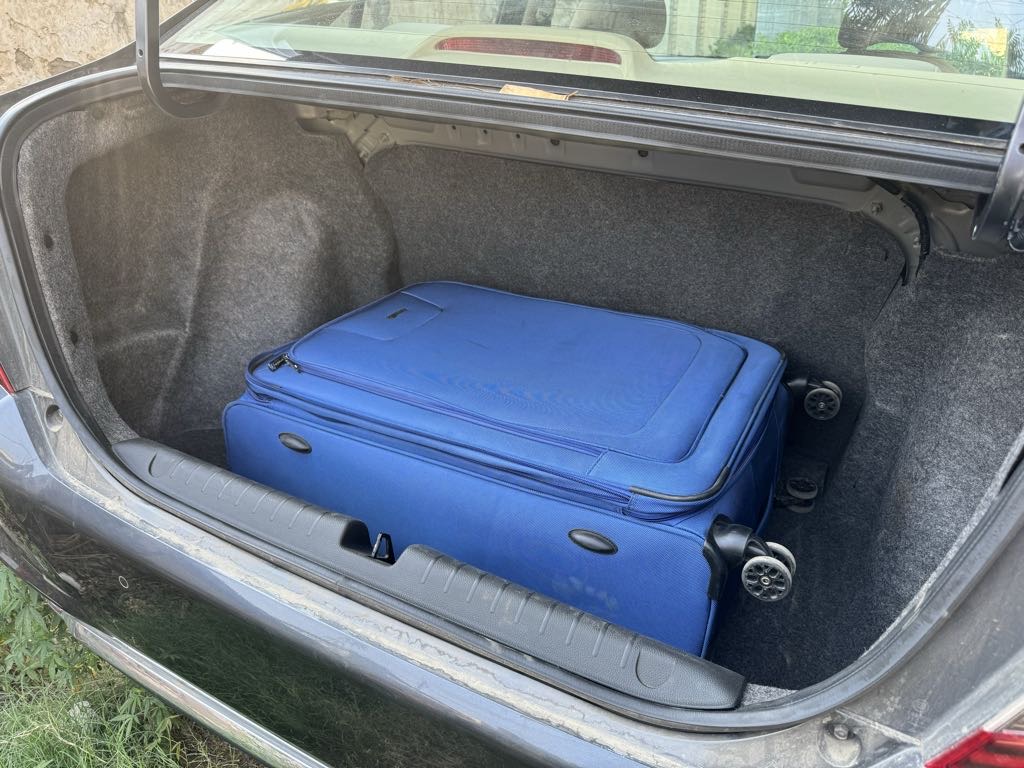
(782, 553)
(767, 578)
(823, 402)
(802, 488)
(800, 506)
(834, 387)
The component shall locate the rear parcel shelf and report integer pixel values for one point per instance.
(574, 650)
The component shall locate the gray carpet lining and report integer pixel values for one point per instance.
(193, 256)
(943, 410)
(48, 158)
(177, 250)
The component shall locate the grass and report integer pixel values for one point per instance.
(62, 707)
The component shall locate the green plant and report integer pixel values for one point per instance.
(62, 707)
(805, 40)
(745, 42)
(739, 43)
(103, 722)
(971, 55)
(34, 644)
(963, 47)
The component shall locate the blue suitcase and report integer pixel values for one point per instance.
(583, 453)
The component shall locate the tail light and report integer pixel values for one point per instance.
(1002, 748)
(5, 383)
(543, 49)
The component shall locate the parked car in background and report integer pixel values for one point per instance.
(840, 183)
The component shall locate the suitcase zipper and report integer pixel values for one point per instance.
(282, 360)
(430, 404)
(566, 481)
(631, 503)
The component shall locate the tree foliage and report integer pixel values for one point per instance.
(964, 47)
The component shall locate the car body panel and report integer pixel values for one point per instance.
(201, 706)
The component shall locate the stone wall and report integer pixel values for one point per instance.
(40, 38)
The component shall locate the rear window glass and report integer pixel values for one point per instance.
(949, 57)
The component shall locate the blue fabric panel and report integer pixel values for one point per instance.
(656, 403)
(489, 426)
(528, 363)
(656, 583)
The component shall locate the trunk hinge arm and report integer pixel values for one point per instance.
(147, 59)
(997, 217)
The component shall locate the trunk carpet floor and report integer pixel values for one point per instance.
(943, 409)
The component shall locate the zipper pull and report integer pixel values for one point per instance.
(280, 360)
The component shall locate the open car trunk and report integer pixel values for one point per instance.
(169, 253)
